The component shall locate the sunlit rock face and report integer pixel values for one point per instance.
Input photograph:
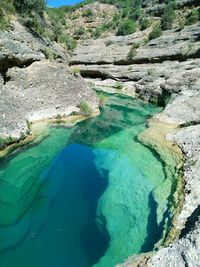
(84, 196)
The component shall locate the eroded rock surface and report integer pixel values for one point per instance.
(172, 45)
(185, 252)
(41, 91)
(19, 47)
(33, 88)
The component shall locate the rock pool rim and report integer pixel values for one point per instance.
(170, 232)
(17, 146)
(30, 138)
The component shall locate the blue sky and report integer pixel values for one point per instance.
(57, 3)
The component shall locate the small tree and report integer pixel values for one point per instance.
(132, 52)
(135, 10)
(27, 6)
(168, 16)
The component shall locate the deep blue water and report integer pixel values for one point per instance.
(58, 3)
(71, 237)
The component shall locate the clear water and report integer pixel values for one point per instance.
(83, 196)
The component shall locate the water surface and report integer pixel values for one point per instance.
(83, 196)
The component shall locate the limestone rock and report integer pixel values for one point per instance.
(20, 47)
(186, 251)
(184, 109)
(98, 51)
(172, 45)
(41, 91)
(151, 81)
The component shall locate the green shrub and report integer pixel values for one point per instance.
(126, 12)
(91, 84)
(168, 16)
(76, 71)
(119, 86)
(2, 143)
(37, 24)
(144, 24)
(74, 16)
(132, 53)
(109, 42)
(116, 18)
(6, 9)
(49, 53)
(193, 17)
(97, 32)
(4, 23)
(103, 15)
(136, 7)
(57, 31)
(181, 23)
(56, 15)
(102, 99)
(90, 30)
(27, 6)
(136, 13)
(59, 118)
(68, 41)
(79, 31)
(155, 33)
(145, 40)
(126, 27)
(85, 109)
(87, 13)
(8, 6)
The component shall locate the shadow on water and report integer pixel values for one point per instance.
(94, 239)
(113, 119)
(153, 230)
(191, 221)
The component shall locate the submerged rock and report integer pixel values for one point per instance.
(186, 250)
